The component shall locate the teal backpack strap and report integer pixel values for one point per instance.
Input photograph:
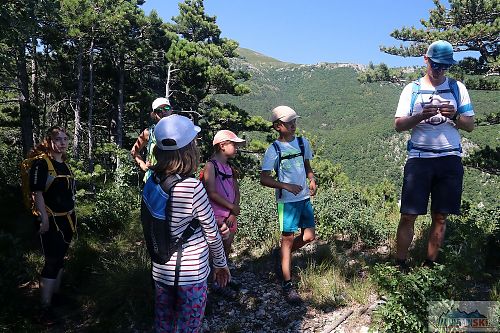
(454, 90)
(415, 90)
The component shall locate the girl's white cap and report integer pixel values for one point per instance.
(175, 132)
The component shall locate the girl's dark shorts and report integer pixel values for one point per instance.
(439, 177)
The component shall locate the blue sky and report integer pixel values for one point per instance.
(312, 31)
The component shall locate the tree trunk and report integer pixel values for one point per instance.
(121, 106)
(91, 103)
(34, 87)
(24, 99)
(78, 125)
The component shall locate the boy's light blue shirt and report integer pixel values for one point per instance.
(292, 170)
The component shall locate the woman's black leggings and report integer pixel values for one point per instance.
(55, 244)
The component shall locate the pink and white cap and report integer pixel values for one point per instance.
(226, 135)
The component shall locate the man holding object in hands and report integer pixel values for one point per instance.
(433, 108)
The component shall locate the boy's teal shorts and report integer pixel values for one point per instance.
(295, 215)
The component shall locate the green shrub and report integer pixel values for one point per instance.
(111, 209)
(407, 297)
(258, 219)
(347, 212)
(467, 235)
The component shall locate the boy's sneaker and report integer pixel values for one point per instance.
(291, 294)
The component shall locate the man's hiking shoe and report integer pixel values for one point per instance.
(276, 258)
(291, 294)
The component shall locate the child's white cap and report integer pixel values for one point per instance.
(226, 135)
(283, 113)
(159, 102)
(175, 132)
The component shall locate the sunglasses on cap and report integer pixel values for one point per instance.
(437, 66)
(162, 109)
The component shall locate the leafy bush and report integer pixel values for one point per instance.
(467, 235)
(350, 213)
(110, 210)
(258, 219)
(407, 297)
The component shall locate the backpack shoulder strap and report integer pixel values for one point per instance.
(455, 91)
(415, 90)
(302, 147)
(216, 167)
(278, 162)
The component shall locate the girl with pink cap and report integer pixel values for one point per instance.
(219, 178)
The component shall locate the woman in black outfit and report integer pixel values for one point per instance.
(53, 187)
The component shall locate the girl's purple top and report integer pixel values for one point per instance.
(224, 187)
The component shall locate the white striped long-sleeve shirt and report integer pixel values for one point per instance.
(189, 200)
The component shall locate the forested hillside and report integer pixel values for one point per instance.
(353, 122)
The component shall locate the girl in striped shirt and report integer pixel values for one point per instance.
(181, 308)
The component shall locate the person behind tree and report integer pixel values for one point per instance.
(434, 108)
(54, 195)
(290, 157)
(161, 108)
(181, 308)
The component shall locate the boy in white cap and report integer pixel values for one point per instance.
(161, 108)
(434, 108)
(172, 196)
(290, 157)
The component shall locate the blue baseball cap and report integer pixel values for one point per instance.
(441, 52)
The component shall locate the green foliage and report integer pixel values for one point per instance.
(407, 297)
(349, 213)
(486, 159)
(110, 212)
(468, 25)
(258, 218)
(467, 235)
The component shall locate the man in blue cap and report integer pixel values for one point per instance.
(433, 108)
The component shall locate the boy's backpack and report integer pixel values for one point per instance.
(155, 219)
(453, 88)
(277, 165)
(28, 196)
